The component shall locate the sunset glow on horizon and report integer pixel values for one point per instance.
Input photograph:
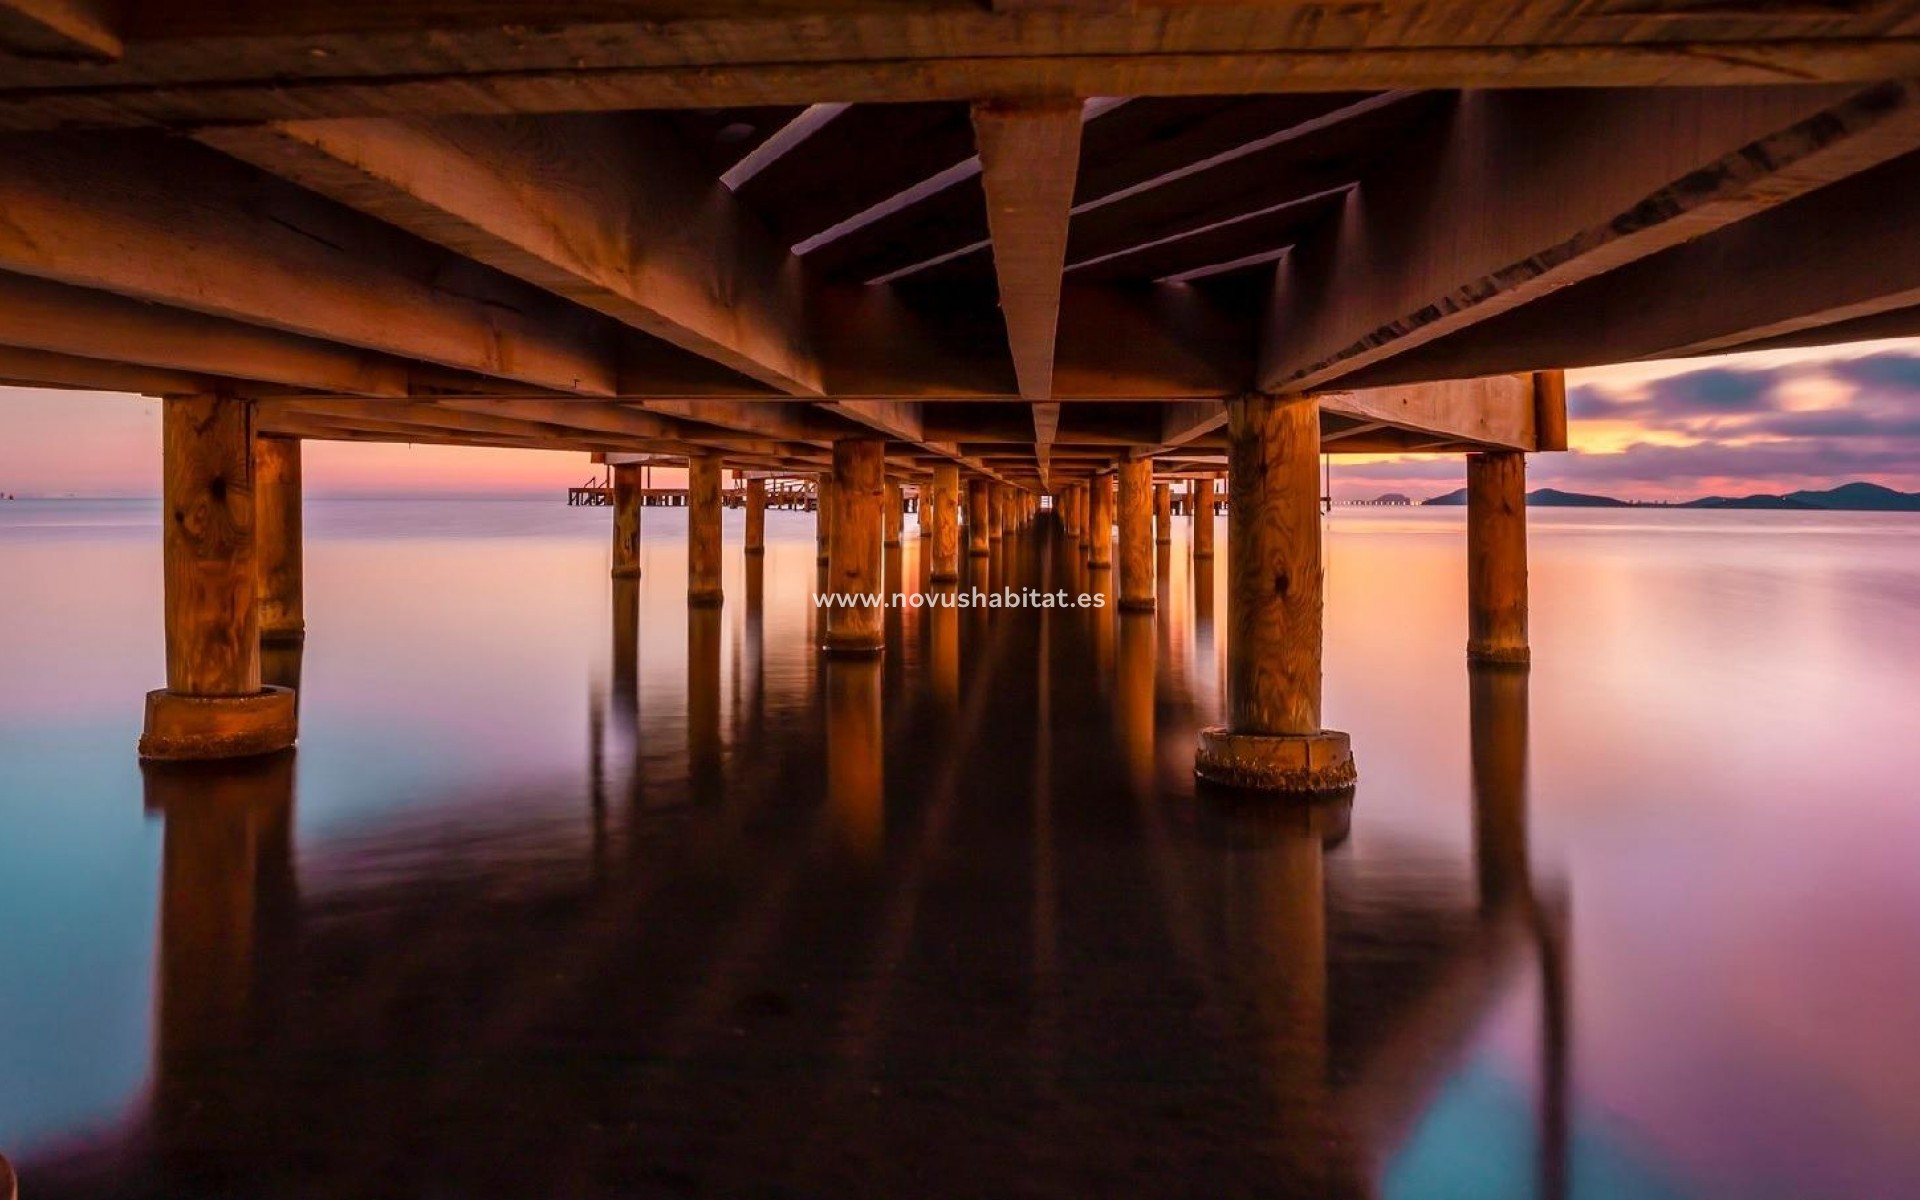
(1773, 421)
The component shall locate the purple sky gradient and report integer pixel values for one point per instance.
(1767, 422)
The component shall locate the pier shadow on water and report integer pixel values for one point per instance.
(951, 922)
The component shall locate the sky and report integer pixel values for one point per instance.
(1734, 425)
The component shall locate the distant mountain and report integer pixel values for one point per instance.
(1543, 498)
(1848, 497)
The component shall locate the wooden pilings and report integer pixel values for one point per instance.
(979, 518)
(703, 530)
(1163, 513)
(998, 521)
(1273, 739)
(626, 520)
(756, 531)
(1136, 535)
(1497, 558)
(214, 705)
(279, 537)
(855, 567)
(944, 514)
(895, 516)
(823, 516)
(1100, 521)
(1202, 502)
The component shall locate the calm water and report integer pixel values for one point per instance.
(569, 892)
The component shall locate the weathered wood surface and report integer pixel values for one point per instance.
(1099, 540)
(895, 513)
(176, 62)
(626, 520)
(755, 537)
(855, 566)
(703, 530)
(979, 518)
(1274, 579)
(1162, 512)
(209, 550)
(1497, 558)
(1202, 518)
(1029, 155)
(943, 513)
(279, 538)
(1136, 535)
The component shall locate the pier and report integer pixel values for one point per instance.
(1132, 271)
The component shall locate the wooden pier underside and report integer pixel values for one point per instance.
(1028, 239)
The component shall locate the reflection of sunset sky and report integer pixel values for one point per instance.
(1765, 422)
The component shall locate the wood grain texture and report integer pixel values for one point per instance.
(1274, 581)
(279, 537)
(1201, 518)
(115, 214)
(943, 512)
(856, 565)
(209, 550)
(610, 211)
(895, 515)
(626, 520)
(1506, 206)
(1497, 558)
(1136, 534)
(1029, 155)
(756, 522)
(1099, 540)
(703, 530)
(979, 518)
(1163, 513)
(823, 516)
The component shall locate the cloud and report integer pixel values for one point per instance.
(1725, 428)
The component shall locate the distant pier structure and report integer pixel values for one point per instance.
(1385, 500)
(962, 256)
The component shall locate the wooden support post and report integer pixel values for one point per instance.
(213, 705)
(1202, 504)
(1163, 513)
(855, 567)
(627, 494)
(1136, 535)
(756, 535)
(1273, 740)
(1081, 500)
(703, 530)
(279, 536)
(979, 518)
(1100, 522)
(943, 512)
(823, 516)
(997, 511)
(1497, 558)
(895, 515)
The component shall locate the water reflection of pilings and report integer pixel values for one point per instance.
(855, 756)
(625, 674)
(227, 893)
(704, 747)
(943, 646)
(1277, 962)
(1499, 715)
(1133, 697)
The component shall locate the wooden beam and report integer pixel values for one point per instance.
(321, 59)
(1526, 194)
(1029, 155)
(1497, 412)
(41, 368)
(66, 30)
(1820, 269)
(1046, 427)
(611, 211)
(36, 314)
(118, 213)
